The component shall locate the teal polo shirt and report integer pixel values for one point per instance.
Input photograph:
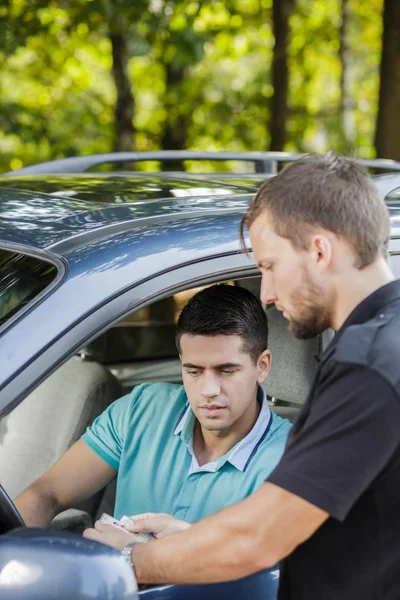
(147, 436)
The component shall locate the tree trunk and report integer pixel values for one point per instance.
(346, 102)
(175, 127)
(387, 136)
(281, 11)
(124, 108)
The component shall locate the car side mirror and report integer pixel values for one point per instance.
(45, 564)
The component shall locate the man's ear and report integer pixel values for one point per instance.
(321, 246)
(264, 365)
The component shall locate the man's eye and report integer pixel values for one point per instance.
(228, 372)
(194, 373)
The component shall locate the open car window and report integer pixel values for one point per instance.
(22, 278)
(145, 334)
(148, 334)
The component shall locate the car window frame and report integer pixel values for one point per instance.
(394, 260)
(232, 265)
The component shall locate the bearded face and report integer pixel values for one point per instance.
(308, 315)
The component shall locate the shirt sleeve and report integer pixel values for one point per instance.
(107, 434)
(346, 441)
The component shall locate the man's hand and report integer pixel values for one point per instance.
(239, 540)
(109, 535)
(159, 524)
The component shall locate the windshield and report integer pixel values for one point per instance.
(22, 278)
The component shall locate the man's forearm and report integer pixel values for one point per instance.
(219, 548)
(240, 540)
(37, 506)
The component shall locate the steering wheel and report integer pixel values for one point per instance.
(9, 515)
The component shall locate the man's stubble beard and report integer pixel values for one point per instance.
(215, 427)
(314, 316)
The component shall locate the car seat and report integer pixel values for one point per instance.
(294, 365)
(50, 419)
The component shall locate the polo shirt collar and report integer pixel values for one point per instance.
(372, 304)
(367, 309)
(241, 454)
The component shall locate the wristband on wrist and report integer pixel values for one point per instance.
(127, 553)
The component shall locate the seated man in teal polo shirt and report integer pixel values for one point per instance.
(188, 450)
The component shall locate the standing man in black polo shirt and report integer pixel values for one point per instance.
(330, 511)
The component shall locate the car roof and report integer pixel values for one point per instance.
(47, 207)
(56, 222)
(47, 211)
(121, 187)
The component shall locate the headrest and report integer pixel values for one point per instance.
(132, 343)
(293, 361)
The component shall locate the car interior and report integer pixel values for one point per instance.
(140, 348)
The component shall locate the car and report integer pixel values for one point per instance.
(94, 268)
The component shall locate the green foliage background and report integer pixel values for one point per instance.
(57, 95)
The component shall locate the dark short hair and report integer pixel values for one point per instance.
(226, 310)
(329, 191)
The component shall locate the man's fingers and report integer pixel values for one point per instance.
(148, 524)
(102, 527)
(92, 534)
(96, 532)
(147, 515)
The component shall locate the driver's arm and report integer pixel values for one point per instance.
(77, 475)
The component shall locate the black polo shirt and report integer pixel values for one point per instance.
(343, 455)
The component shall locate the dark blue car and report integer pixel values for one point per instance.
(94, 268)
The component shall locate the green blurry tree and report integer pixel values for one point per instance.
(346, 96)
(387, 138)
(93, 76)
(281, 11)
(56, 86)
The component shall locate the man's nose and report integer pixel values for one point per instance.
(267, 292)
(211, 386)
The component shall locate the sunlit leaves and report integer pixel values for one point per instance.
(203, 63)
